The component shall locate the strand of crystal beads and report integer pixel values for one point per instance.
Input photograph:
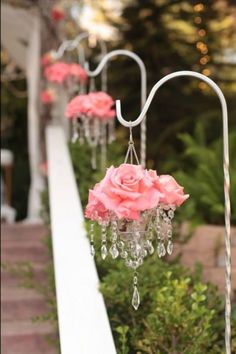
(161, 251)
(104, 242)
(92, 249)
(75, 134)
(136, 296)
(149, 241)
(113, 249)
(93, 158)
(170, 245)
(111, 131)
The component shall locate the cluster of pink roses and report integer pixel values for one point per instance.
(59, 72)
(130, 189)
(94, 104)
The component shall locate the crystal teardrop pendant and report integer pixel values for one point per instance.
(103, 251)
(159, 249)
(74, 137)
(114, 251)
(163, 250)
(92, 250)
(135, 298)
(150, 248)
(170, 247)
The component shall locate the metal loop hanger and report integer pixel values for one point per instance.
(69, 45)
(221, 97)
(143, 73)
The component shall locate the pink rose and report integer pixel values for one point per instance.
(173, 193)
(95, 209)
(47, 96)
(57, 72)
(77, 72)
(101, 105)
(78, 105)
(126, 190)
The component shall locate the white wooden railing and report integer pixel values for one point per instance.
(83, 322)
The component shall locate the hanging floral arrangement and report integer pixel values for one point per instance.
(92, 116)
(137, 206)
(68, 75)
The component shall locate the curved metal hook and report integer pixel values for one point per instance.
(102, 44)
(221, 97)
(70, 45)
(103, 47)
(143, 72)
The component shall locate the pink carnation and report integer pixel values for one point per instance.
(173, 193)
(126, 191)
(77, 72)
(78, 105)
(47, 96)
(57, 72)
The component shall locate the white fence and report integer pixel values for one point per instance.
(83, 323)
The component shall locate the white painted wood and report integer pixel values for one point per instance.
(83, 323)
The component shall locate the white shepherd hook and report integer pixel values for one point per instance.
(143, 73)
(221, 97)
(70, 45)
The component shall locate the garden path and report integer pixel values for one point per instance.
(206, 247)
(19, 335)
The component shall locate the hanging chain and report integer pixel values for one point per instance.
(131, 152)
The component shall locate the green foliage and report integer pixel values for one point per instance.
(122, 331)
(169, 45)
(175, 308)
(203, 178)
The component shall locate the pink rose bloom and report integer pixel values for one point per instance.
(57, 72)
(101, 105)
(78, 105)
(47, 96)
(126, 190)
(95, 209)
(77, 72)
(173, 193)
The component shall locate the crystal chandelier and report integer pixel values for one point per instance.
(92, 118)
(135, 207)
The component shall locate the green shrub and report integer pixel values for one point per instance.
(175, 308)
(203, 178)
